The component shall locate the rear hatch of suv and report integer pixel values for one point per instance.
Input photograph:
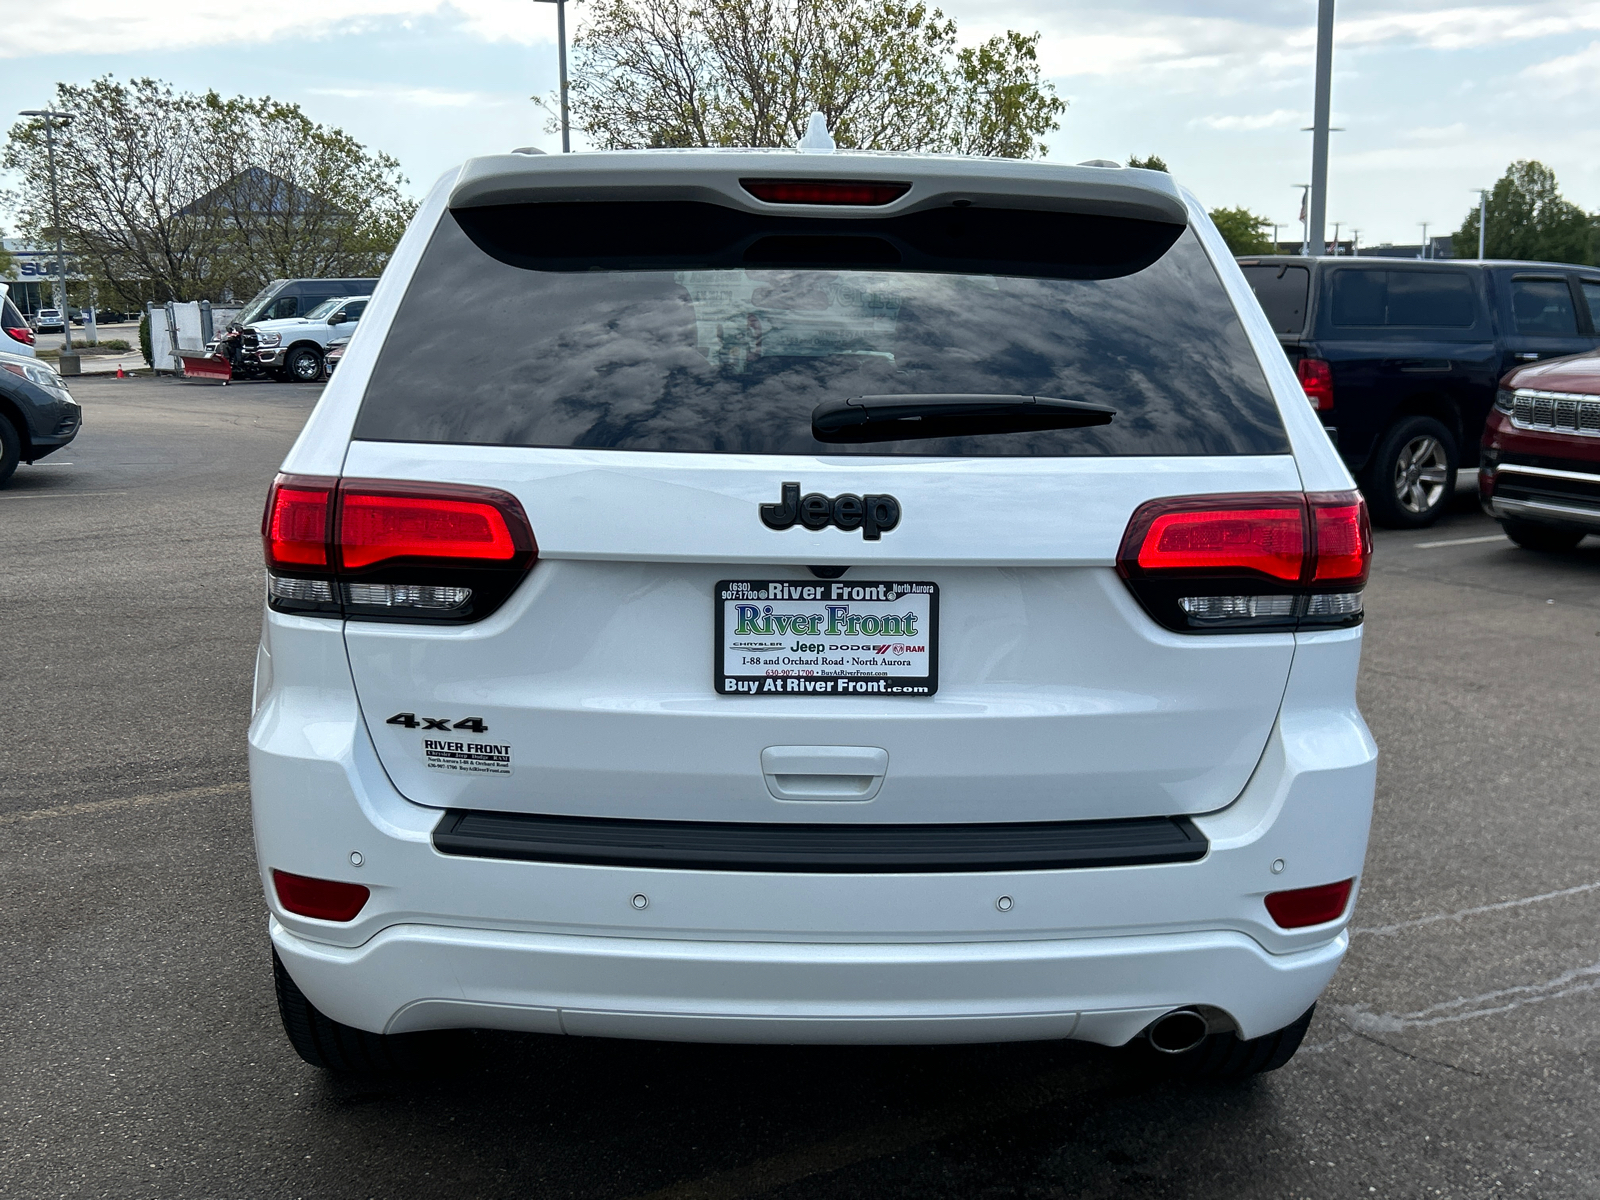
(681, 391)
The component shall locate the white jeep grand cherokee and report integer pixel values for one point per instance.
(811, 598)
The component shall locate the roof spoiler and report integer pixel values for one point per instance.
(714, 176)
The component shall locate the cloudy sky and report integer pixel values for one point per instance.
(1435, 97)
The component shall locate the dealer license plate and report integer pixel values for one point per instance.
(830, 637)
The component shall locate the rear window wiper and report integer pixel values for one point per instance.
(948, 414)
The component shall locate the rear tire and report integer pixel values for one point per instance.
(1228, 1058)
(1546, 539)
(10, 451)
(1412, 474)
(324, 1042)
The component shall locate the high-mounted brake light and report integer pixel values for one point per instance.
(1254, 561)
(1309, 906)
(323, 899)
(852, 192)
(375, 549)
(1316, 377)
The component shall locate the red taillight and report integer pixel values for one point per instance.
(382, 549)
(824, 191)
(1310, 906)
(295, 525)
(1344, 538)
(1316, 377)
(1266, 540)
(23, 334)
(1254, 560)
(324, 899)
(375, 528)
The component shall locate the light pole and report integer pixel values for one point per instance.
(1319, 126)
(50, 118)
(1483, 217)
(1336, 225)
(561, 42)
(1424, 253)
(1355, 243)
(1275, 227)
(1305, 226)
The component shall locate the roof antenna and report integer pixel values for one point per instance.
(817, 139)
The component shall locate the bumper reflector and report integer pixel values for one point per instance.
(322, 899)
(1310, 906)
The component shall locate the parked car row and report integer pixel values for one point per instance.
(1403, 359)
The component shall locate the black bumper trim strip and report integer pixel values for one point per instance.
(820, 848)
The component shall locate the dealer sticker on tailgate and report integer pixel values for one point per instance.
(827, 638)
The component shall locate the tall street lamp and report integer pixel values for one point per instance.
(1425, 249)
(1483, 217)
(1316, 226)
(50, 118)
(561, 41)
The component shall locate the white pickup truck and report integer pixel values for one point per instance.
(294, 346)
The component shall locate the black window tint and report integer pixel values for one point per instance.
(1282, 290)
(1359, 297)
(1437, 298)
(353, 310)
(282, 307)
(1591, 293)
(10, 318)
(693, 328)
(1543, 306)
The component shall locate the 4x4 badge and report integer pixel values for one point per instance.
(873, 515)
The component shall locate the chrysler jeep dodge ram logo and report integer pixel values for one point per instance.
(873, 515)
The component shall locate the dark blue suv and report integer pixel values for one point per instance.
(1401, 357)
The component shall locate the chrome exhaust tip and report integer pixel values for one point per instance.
(1177, 1032)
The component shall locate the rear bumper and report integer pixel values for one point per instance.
(1093, 989)
(451, 940)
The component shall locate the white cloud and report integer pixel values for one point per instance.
(125, 26)
(1465, 27)
(1278, 118)
(1578, 72)
(416, 97)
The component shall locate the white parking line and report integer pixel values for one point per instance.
(1464, 1008)
(1500, 906)
(98, 806)
(1471, 541)
(54, 495)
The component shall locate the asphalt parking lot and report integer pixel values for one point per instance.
(1455, 1055)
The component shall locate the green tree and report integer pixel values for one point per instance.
(7, 260)
(1153, 162)
(1529, 219)
(182, 196)
(1242, 230)
(887, 74)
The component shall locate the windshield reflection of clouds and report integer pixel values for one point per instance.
(735, 360)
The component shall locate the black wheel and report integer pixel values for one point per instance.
(1228, 1058)
(10, 451)
(324, 1042)
(1545, 538)
(304, 364)
(1412, 474)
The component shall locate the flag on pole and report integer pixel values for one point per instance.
(1303, 195)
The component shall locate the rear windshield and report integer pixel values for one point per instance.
(695, 328)
(1444, 300)
(1282, 290)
